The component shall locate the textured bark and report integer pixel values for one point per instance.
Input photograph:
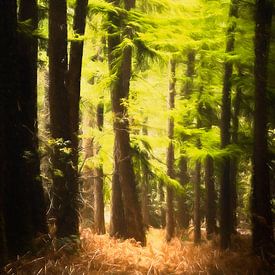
(183, 211)
(183, 216)
(65, 185)
(211, 226)
(262, 231)
(162, 201)
(16, 204)
(27, 66)
(234, 161)
(145, 195)
(74, 74)
(197, 195)
(99, 181)
(170, 158)
(225, 190)
(87, 188)
(119, 93)
(117, 222)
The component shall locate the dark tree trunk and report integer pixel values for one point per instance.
(119, 93)
(145, 195)
(211, 226)
(262, 231)
(28, 102)
(234, 161)
(162, 207)
(16, 201)
(65, 185)
(225, 190)
(183, 211)
(145, 199)
(74, 75)
(197, 196)
(170, 159)
(117, 222)
(99, 181)
(87, 188)
(7, 88)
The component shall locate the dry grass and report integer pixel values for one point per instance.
(104, 255)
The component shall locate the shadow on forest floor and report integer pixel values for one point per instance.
(105, 255)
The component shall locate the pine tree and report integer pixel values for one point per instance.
(262, 231)
(65, 185)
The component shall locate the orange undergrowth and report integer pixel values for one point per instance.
(105, 255)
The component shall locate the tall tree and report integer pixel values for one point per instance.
(234, 161)
(145, 187)
(27, 66)
(18, 215)
(170, 159)
(225, 190)
(7, 87)
(65, 185)
(210, 197)
(120, 93)
(183, 211)
(262, 231)
(74, 74)
(117, 222)
(99, 180)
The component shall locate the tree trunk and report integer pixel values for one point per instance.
(99, 181)
(65, 185)
(234, 161)
(74, 75)
(262, 231)
(87, 188)
(28, 102)
(170, 223)
(162, 207)
(183, 211)
(119, 93)
(145, 199)
(211, 226)
(197, 195)
(117, 222)
(225, 190)
(17, 208)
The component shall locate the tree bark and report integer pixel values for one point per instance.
(170, 223)
(234, 161)
(117, 222)
(119, 93)
(74, 74)
(162, 201)
(145, 195)
(16, 204)
(87, 188)
(225, 190)
(197, 195)
(65, 185)
(262, 231)
(27, 66)
(99, 181)
(211, 226)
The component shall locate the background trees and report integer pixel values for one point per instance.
(117, 69)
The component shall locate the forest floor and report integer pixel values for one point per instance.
(105, 255)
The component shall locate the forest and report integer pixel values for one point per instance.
(137, 137)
